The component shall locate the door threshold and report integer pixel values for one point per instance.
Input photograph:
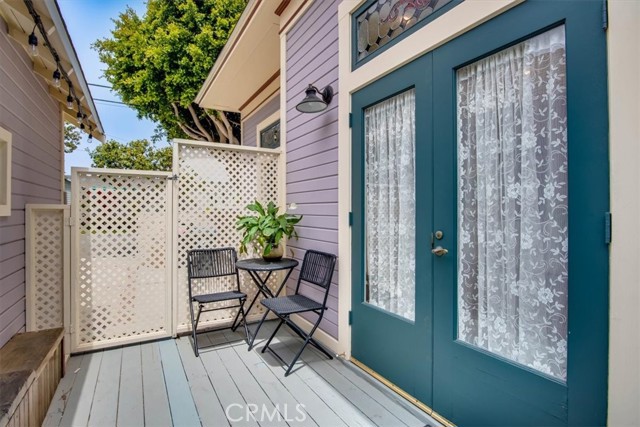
(406, 396)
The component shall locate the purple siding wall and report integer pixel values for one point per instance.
(33, 118)
(249, 125)
(312, 141)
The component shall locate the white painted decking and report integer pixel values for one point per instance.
(162, 383)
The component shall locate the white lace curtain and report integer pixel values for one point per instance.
(391, 204)
(512, 204)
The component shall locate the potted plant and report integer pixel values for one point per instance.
(266, 229)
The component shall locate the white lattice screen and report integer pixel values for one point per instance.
(215, 184)
(122, 232)
(46, 258)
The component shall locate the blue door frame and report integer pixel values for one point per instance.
(465, 384)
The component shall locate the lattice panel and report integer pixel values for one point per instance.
(122, 287)
(46, 268)
(214, 186)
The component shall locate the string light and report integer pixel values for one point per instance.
(60, 73)
(56, 78)
(90, 134)
(33, 42)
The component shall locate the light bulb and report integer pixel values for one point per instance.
(56, 78)
(69, 102)
(33, 43)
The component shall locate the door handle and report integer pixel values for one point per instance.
(439, 251)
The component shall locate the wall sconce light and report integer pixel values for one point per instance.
(314, 104)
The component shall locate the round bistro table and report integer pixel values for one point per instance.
(255, 266)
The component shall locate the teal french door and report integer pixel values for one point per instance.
(393, 337)
(510, 275)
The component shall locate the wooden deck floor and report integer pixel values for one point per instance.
(162, 383)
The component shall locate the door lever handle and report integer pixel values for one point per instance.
(439, 251)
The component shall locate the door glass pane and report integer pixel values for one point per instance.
(390, 200)
(512, 204)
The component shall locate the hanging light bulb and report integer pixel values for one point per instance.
(56, 78)
(69, 101)
(90, 136)
(79, 117)
(33, 43)
(82, 126)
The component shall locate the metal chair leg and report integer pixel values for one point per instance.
(295, 359)
(244, 321)
(306, 341)
(233, 325)
(273, 335)
(194, 327)
(255, 334)
(295, 328)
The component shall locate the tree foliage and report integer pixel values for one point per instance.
(158, 62)
(139, 154)
(72, 137)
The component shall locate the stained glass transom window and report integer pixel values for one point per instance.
(385, 20)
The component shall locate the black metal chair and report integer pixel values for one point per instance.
(317, 269)
(207, 264)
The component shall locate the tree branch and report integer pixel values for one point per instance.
(186, 128)
(193, 135)
(199, 124)
(220, 128)
(232, 138)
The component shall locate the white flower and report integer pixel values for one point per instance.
(541, 367)
(562, 347)
(545, 295)
(549, 191)
(529, 140)
(513, 190)
(499, 325)
(526, 241)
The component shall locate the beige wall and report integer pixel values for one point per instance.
(624, 117)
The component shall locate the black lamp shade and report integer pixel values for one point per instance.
(312, 103)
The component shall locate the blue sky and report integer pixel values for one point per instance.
(87, 21)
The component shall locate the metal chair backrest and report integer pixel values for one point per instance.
(317, 268)
(204, 263)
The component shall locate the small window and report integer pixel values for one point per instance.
(270, 136)
(5, 172)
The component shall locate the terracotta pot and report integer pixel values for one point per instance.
(276, 253)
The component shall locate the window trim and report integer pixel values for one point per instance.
(5, 166)
(269, 121)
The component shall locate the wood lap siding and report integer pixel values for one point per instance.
(33, 118)
(312, 142)
(249, 126)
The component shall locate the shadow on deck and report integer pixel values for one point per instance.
(162, 383)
